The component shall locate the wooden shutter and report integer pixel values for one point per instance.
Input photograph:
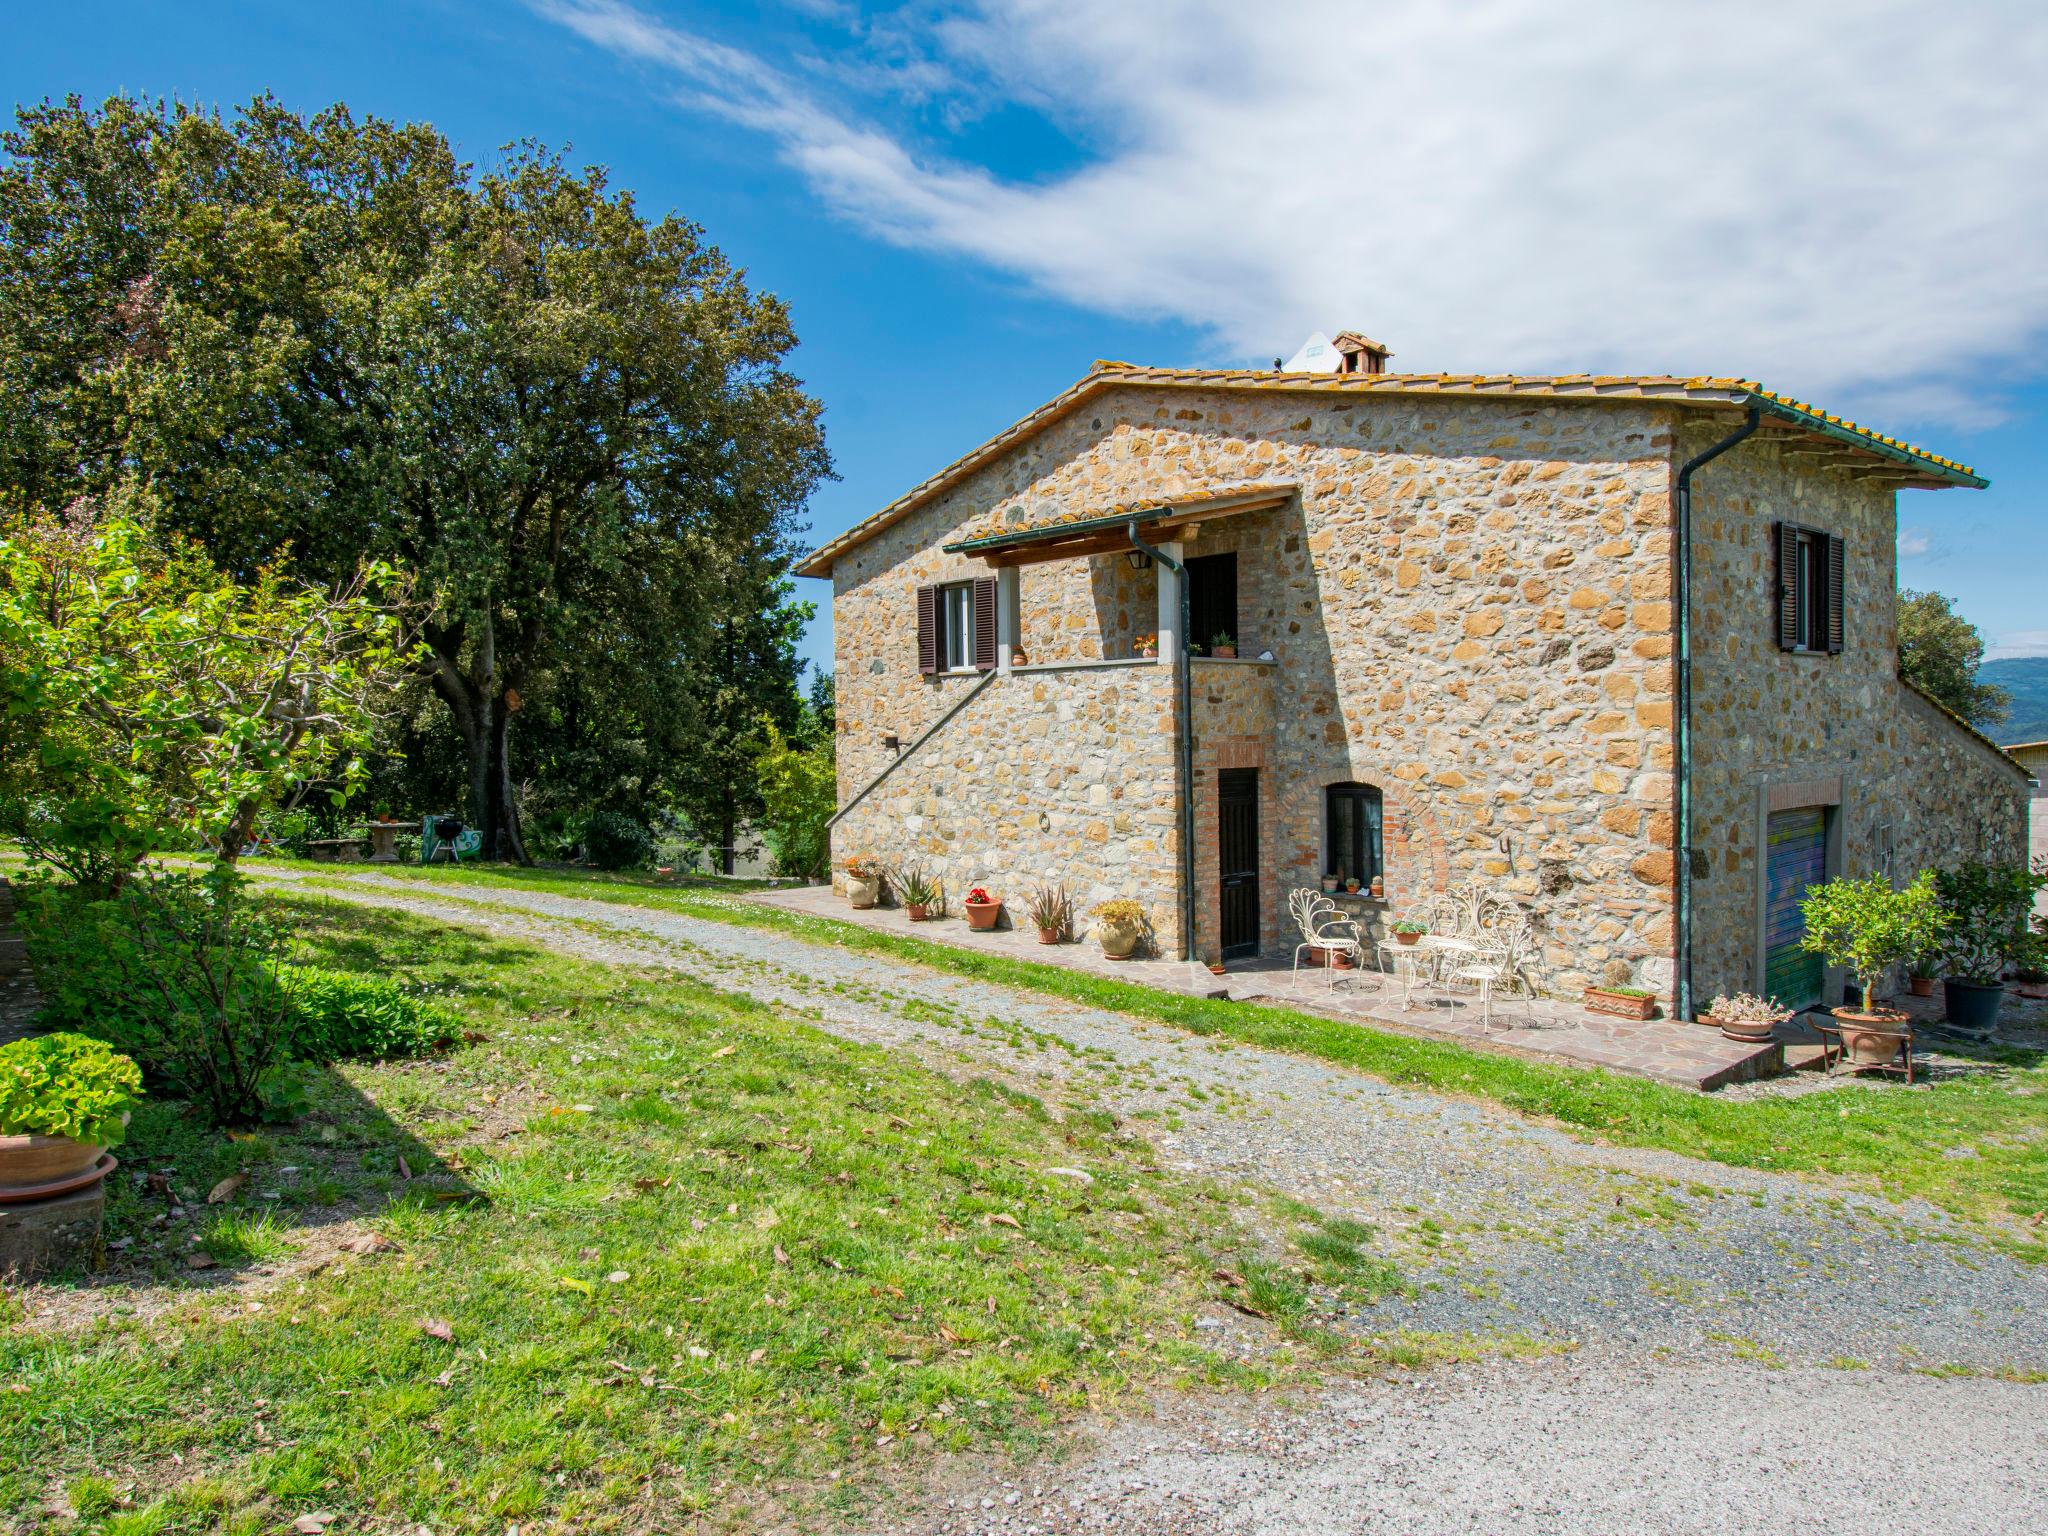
(985, 622)
(927, 630)
(1786, 536)
(1835, 596)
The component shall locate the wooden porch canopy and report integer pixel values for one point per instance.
(1098, 533)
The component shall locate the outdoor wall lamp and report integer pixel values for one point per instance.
(1140, 561)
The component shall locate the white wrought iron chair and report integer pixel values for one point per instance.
(1503, 943)
(1323, 925)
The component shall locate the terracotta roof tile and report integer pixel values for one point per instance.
(1698, 391)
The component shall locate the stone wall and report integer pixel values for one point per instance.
(1916, 790)
(1469, 604)
(1057, 775)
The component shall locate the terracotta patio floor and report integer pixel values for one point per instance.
(1688, 1055)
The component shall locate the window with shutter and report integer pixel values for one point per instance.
(984, 623)
(1837, 596)
(1788, 586)
(1809, 591)
(927, 630)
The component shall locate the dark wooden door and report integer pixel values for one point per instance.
(1212, 599)
(1237, 857)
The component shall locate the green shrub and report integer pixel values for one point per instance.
(292, 831)
(614, 840)
(1989, 907)
(342, 1013)
(66, 1085)
(179, 972)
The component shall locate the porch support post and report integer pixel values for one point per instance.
(1170, 639)
(1008, 632)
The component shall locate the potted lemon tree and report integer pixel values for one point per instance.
(1868, 927)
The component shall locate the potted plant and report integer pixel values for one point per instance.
(64, 1100)
(1222, 645)
(1989, 908)
(1921, 972)
(1119, 924)
(1746, 1017)
(1051, 910)
(1332, 883)
(1408, 931)
(1623, 1002)
(1869, 927)
(1351, 887)
(863, 880)
(1379, 888)
(1148, 645)
(982, 909)
(919, 892)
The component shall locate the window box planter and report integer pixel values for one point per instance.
(1623, 1005)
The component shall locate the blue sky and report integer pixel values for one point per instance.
(966, 203)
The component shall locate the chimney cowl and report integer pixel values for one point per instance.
(1360, 354)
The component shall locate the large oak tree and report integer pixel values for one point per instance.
(329, 339)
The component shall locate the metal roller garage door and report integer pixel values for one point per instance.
(1798, 858)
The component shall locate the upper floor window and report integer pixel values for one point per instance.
(1352, 817)
(956, 626)
(1809, 595)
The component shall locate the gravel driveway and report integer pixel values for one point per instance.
(1702, 1300)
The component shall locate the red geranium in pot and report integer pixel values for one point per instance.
(982, 909)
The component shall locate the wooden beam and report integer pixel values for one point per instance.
(1155, 529)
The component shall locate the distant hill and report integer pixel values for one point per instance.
(2026, 679)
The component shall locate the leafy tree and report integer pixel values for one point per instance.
(147, 701)
(745, 675)
(326, 338)
(821, 714)
(798, 791)
(1939, 652)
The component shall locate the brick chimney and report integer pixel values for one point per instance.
(1360, 354)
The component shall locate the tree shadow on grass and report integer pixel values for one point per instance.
(193, 1207)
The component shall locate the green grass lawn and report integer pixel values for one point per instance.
(651, 1247)
(1978, 1147)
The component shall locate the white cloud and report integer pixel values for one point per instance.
(1914, 543)
(1846, 204)
(2018, 642)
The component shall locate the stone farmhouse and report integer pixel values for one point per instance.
(1455, 605)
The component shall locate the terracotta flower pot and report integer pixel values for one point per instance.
(982, 915)
(1920, 986)
(1048, 935)
(863, 893)
(32, 1167)
(1118, 940)
(1406, 938)
(918, 910)
(1872, 1039)
(1745, 1031)
(1225, 652)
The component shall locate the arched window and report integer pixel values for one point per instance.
(1351, 832)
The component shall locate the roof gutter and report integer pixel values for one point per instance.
(1184, 739)
(1682, 716)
